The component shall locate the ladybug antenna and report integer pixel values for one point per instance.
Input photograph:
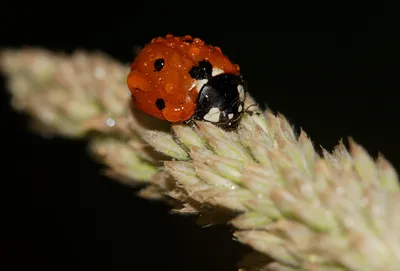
(247, 108)
(251, 112)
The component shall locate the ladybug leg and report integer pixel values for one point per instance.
(191, 123)
(188, 122)
(250, 112)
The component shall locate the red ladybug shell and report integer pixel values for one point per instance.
(159, 79)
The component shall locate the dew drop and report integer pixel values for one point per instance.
(110, 122)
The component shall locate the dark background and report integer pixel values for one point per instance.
(60, 214)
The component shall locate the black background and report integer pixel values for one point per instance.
(60, 214)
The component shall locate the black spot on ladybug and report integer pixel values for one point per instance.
(203, 70)
(197, 73)
(206, 66)
(158, 64)
(160, 104)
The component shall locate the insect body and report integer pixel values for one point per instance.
(181, 78)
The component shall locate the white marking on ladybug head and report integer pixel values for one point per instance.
(230, 116)
(216, 71)
(240, 89)
(198, 84)
(213, 115)
(240, 108)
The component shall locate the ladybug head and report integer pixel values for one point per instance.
(221, 100)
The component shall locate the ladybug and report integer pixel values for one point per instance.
(181, 78)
